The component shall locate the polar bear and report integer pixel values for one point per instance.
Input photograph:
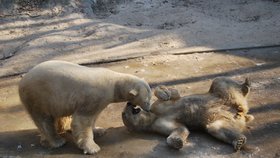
(173, 116)
(54, 90)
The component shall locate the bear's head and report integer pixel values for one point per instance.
(136, 119)
(141, 95)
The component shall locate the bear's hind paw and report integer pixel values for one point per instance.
(175, 142)
(239, 143)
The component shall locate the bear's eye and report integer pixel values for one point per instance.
(135, 111)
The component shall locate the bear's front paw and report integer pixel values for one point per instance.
(162, 93)
(175, 142)
(90, 148)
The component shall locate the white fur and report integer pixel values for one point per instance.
(56, 89)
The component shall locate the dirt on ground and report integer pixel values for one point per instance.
(189, 74)
(166, 42)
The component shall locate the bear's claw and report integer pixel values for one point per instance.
(239, 143)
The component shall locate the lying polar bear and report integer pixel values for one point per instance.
(172, 115)
(55, 89)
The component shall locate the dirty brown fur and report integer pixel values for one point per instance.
(235, 94)
(210, 112)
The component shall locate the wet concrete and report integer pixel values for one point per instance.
(189, 74)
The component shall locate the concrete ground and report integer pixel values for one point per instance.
(190, 73)
(81, 31)
(150, 39)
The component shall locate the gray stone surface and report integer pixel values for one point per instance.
(189, 74)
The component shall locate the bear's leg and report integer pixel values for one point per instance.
(63, 124)
(177, 133)
(178, 137)
(45, 124)
(227, 133)
(82, 132)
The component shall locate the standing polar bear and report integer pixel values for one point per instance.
(55, 89)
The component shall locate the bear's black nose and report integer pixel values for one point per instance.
(135, 111)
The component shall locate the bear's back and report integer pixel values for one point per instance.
(62, 72)
(62, 84)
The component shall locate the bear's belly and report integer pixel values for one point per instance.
(194, 117)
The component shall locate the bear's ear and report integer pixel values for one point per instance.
(133, 92)
(246, 87)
